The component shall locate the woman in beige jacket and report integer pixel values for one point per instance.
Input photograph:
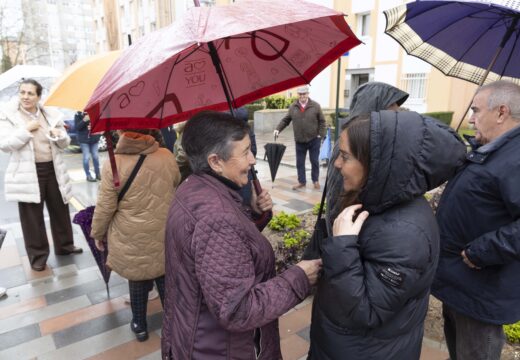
(134, 226)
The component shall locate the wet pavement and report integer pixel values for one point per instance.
(64, 312)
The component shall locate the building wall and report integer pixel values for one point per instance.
(59, 32)
(383, 59)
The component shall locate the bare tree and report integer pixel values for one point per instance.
(19, 45)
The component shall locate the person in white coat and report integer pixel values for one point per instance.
(35, 138)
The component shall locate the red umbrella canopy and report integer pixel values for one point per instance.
(263, 46)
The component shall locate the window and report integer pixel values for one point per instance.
(415, 85)
(363, 24)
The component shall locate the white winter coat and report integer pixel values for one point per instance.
(21, 180)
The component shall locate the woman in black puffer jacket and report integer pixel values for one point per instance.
(378, 267)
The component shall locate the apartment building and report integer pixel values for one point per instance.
(381, 58)
(58, 32)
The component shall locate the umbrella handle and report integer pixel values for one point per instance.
(256, 182)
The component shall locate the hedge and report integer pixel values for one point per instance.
(443, 116)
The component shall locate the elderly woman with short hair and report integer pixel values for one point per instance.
(223, 297)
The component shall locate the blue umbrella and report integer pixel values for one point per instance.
(477, 41)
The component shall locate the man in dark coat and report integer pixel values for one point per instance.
(479, 220)
(309, 128)
(373, 295)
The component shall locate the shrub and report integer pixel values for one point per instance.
(284, 222)
(295, 238)
(251, 108)
(512, 333)
(278, 102)
(443, 116)
(316, 208)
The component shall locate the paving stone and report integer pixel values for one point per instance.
(30, 349)
(19, 336)
(12, 276)
(35, 316)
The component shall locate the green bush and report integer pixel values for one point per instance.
(295, 238)
(443, 116)
(513, 333)
(341, 115)
(284, 222)
(316, 208)
(278, 102)
(251, 108)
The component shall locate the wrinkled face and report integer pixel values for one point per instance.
(303, 97)
(484, 119)
(351, 169)
(28, 97)
(237, 166)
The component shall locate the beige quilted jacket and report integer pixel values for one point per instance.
(135, 226)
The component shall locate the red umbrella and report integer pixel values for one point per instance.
(216, 58)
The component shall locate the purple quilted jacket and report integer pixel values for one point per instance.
(223, 297)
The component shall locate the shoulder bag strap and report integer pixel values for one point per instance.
(131, 178)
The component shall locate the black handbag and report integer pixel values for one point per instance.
(313, 249)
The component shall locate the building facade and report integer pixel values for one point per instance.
(381, 58)
(57, 32)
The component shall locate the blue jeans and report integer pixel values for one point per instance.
(313, 147)
(470, 339)
(89, 150)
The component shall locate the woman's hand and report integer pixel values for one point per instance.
(261, 203)
(312, 269)
(55, 133)
(100, 245)
(344, 224)
(32, 125)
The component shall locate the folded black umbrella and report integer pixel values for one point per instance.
(274, 153)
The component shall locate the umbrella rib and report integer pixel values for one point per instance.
(478, 38)
(166, 89)
(283, 57)
(228, 85)
(517, 33)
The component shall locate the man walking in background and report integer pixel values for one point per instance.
(309, 128)
(479, 221)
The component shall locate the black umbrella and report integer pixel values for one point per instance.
(274, 153)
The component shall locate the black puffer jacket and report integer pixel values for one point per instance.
(371, 96)
(373, 295)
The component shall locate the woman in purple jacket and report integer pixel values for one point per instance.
(223, 297)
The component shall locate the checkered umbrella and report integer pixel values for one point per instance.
(477, 40)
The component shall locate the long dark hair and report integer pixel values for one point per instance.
(358, 134)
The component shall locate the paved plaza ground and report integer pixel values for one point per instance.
(64, 312)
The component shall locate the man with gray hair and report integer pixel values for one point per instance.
(479, 221)
(309, 128)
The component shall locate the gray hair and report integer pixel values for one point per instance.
(504, 92)
(211, 132)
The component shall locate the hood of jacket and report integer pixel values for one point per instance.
(375, 96)
(409, 155)
(133, 143)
